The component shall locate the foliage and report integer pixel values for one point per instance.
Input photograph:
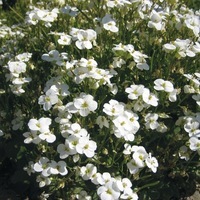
(100, 99)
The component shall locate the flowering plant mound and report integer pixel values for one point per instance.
(100, 99)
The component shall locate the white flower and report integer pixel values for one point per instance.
(41, 125)
(120, 47)
(151, 163)
(108, 191)
(58, 168)
(122, 123)
(24, 57)
(149, 98)
(90, 64)
(20, 81)
(48, 136)
(102, 121)
(88, 171)
(139, 105)
(172, 95)
(142, 66)
(127, 149)
(194, 144)
(75, 129)
(162, 128)
(64, 40)
(188, 89)
(85, 38)
(139, 156)
(1, 133)
(192, 128)
(133, 167)
(151, 121)
(53, 56)
(117, 3)
(140, 60)
(138, 159)
(64, 150)
(72, 11)
(126, 125)
(31, 137)
(32, 17)
(73, 141)
(118, 62)
(196, 47)
(134, 91)
(17, 89)
(113, 108)
(104, 178)
(196, 98)
(129, 194)
(109, 24)
(156, 20)
(161, 84)
(130, 48)
(42, 166)
(63, 89)
(50, 16)
(86, 146)
(133, 118)
(44, 196)
(183, 153)
(192, 22)
(97, 178)
(74, 32)
(84, 104)
(36, 15)
(63, 116)
(48, 100)
(43, 181)
(169, 47)
(85, 69)
(182, 46)
(83, 196)
(124, 184)
(16, 67)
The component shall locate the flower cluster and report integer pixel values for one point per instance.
(47, 168)
(125, 122)
(142, 97)
(182, 48)
(16, 68)
(140, 159)
(84, 104)
(36, 15)
(83, 38)
(77, 141)
(138, 57)
(111, 110)
(108, 186)
(39, 130)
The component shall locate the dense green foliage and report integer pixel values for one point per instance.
(60, 84)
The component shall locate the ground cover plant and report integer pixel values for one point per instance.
(100, 99)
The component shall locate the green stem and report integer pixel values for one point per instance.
(16, 13)
(148, 185)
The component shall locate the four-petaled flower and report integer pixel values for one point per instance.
(109, 24)
(84, 104)
(161, 84)
(48, 100)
